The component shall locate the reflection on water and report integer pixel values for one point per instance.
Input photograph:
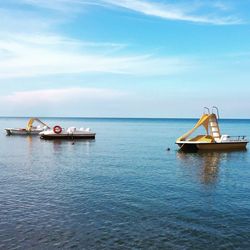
(121, 191)
(35, 144)
(30, 142)
(60, 145)
(207, 164)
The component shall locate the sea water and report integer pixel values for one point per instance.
(123, 190)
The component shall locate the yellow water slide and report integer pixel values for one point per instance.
(32, 120)
(204, 121)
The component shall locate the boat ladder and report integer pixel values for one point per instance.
(214, 126)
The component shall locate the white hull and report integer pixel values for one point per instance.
(22, 131)
(70, 134)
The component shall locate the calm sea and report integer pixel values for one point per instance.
(123, 190)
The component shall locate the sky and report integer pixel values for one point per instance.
(126, 58)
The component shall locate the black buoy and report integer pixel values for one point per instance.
(73, 143)
(168, 149)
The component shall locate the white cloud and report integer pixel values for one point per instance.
(33, 54)
(16, 20)
(205, 11)
(27, 53)
(173, 12)
(61, 96)
(167, 10)
(74, 101)
(37, 55)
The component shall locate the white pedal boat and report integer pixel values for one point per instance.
(30, 129)
(70, 133)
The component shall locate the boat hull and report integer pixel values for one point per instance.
(225, 146)
(22, 132)
(67, 136)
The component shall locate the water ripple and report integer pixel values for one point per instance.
(124, 192)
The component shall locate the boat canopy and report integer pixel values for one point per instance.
(204, 121)
(32, 120)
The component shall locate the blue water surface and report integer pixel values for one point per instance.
(123, 190)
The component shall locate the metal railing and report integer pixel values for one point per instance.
(217, 111)
(235, 138)
(206, 110)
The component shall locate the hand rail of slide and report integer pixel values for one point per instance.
(206, 109)
(217, 111)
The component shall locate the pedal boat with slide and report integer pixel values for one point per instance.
(70, 133)
(213, 140)
(30, 128)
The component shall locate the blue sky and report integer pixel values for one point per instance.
(126, 58)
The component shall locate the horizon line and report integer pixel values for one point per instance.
(110, 117)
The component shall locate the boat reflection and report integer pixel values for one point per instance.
(205, 164)
(62, 145)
